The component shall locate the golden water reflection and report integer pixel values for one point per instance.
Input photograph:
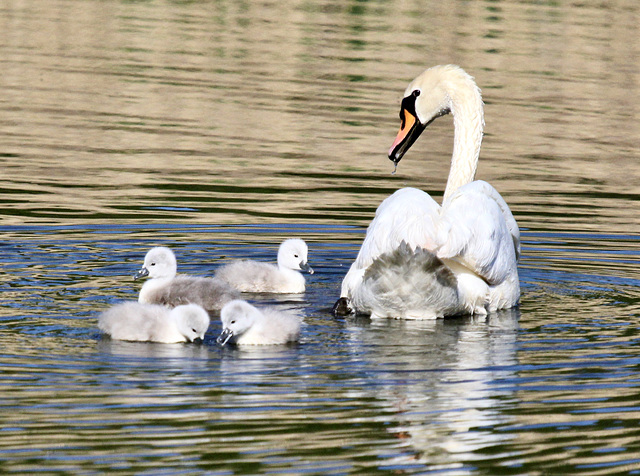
(220, 113)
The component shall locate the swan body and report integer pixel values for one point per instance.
(167, 288)
(248, 325)
(149, 322)
(422, 260)
(258, 277)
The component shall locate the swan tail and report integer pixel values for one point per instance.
(408, 283)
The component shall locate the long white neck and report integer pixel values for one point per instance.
(468, 123)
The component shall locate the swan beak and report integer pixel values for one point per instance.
(224, 337)
(410, 130)
(141, 274)
(304, 266)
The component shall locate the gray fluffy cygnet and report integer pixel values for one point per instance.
(154, 323)
(167, 288)
(244, 324)
(258, 277)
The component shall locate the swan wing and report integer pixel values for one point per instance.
(512, 225)
(409, 215)
(477, 230)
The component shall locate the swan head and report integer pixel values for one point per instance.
(159, 262)
(191, 320)
(431, 95)
(237, 318)
(292, 254)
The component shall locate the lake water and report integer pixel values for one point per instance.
(219, 129)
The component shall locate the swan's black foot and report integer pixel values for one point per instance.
(342, 307)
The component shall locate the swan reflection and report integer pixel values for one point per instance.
(441, 380)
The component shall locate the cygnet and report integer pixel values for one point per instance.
(257, 277)
(169, 289)
(150, 322)
(245, 324)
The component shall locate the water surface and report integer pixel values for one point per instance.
(220, 129)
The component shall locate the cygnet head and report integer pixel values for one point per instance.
(292, 254)
(191, 320)
(237, 318)
(160, 262)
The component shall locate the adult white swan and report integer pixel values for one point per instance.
(420, 260)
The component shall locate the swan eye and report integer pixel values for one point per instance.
(416, 93)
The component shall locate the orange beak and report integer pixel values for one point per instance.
(408, 120)
(410, 130)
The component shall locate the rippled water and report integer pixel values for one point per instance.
(220, 128)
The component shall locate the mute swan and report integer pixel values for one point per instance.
(248, 325)
(420, 260)
(150, 322)
(256, 277)
(167, 288)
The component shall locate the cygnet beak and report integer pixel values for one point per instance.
(225, 336)
(141, 274)
(304, 266)
(197, 340)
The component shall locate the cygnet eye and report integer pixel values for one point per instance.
(295, 256)
(153, 264)
(233, 322)
(194, 331)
